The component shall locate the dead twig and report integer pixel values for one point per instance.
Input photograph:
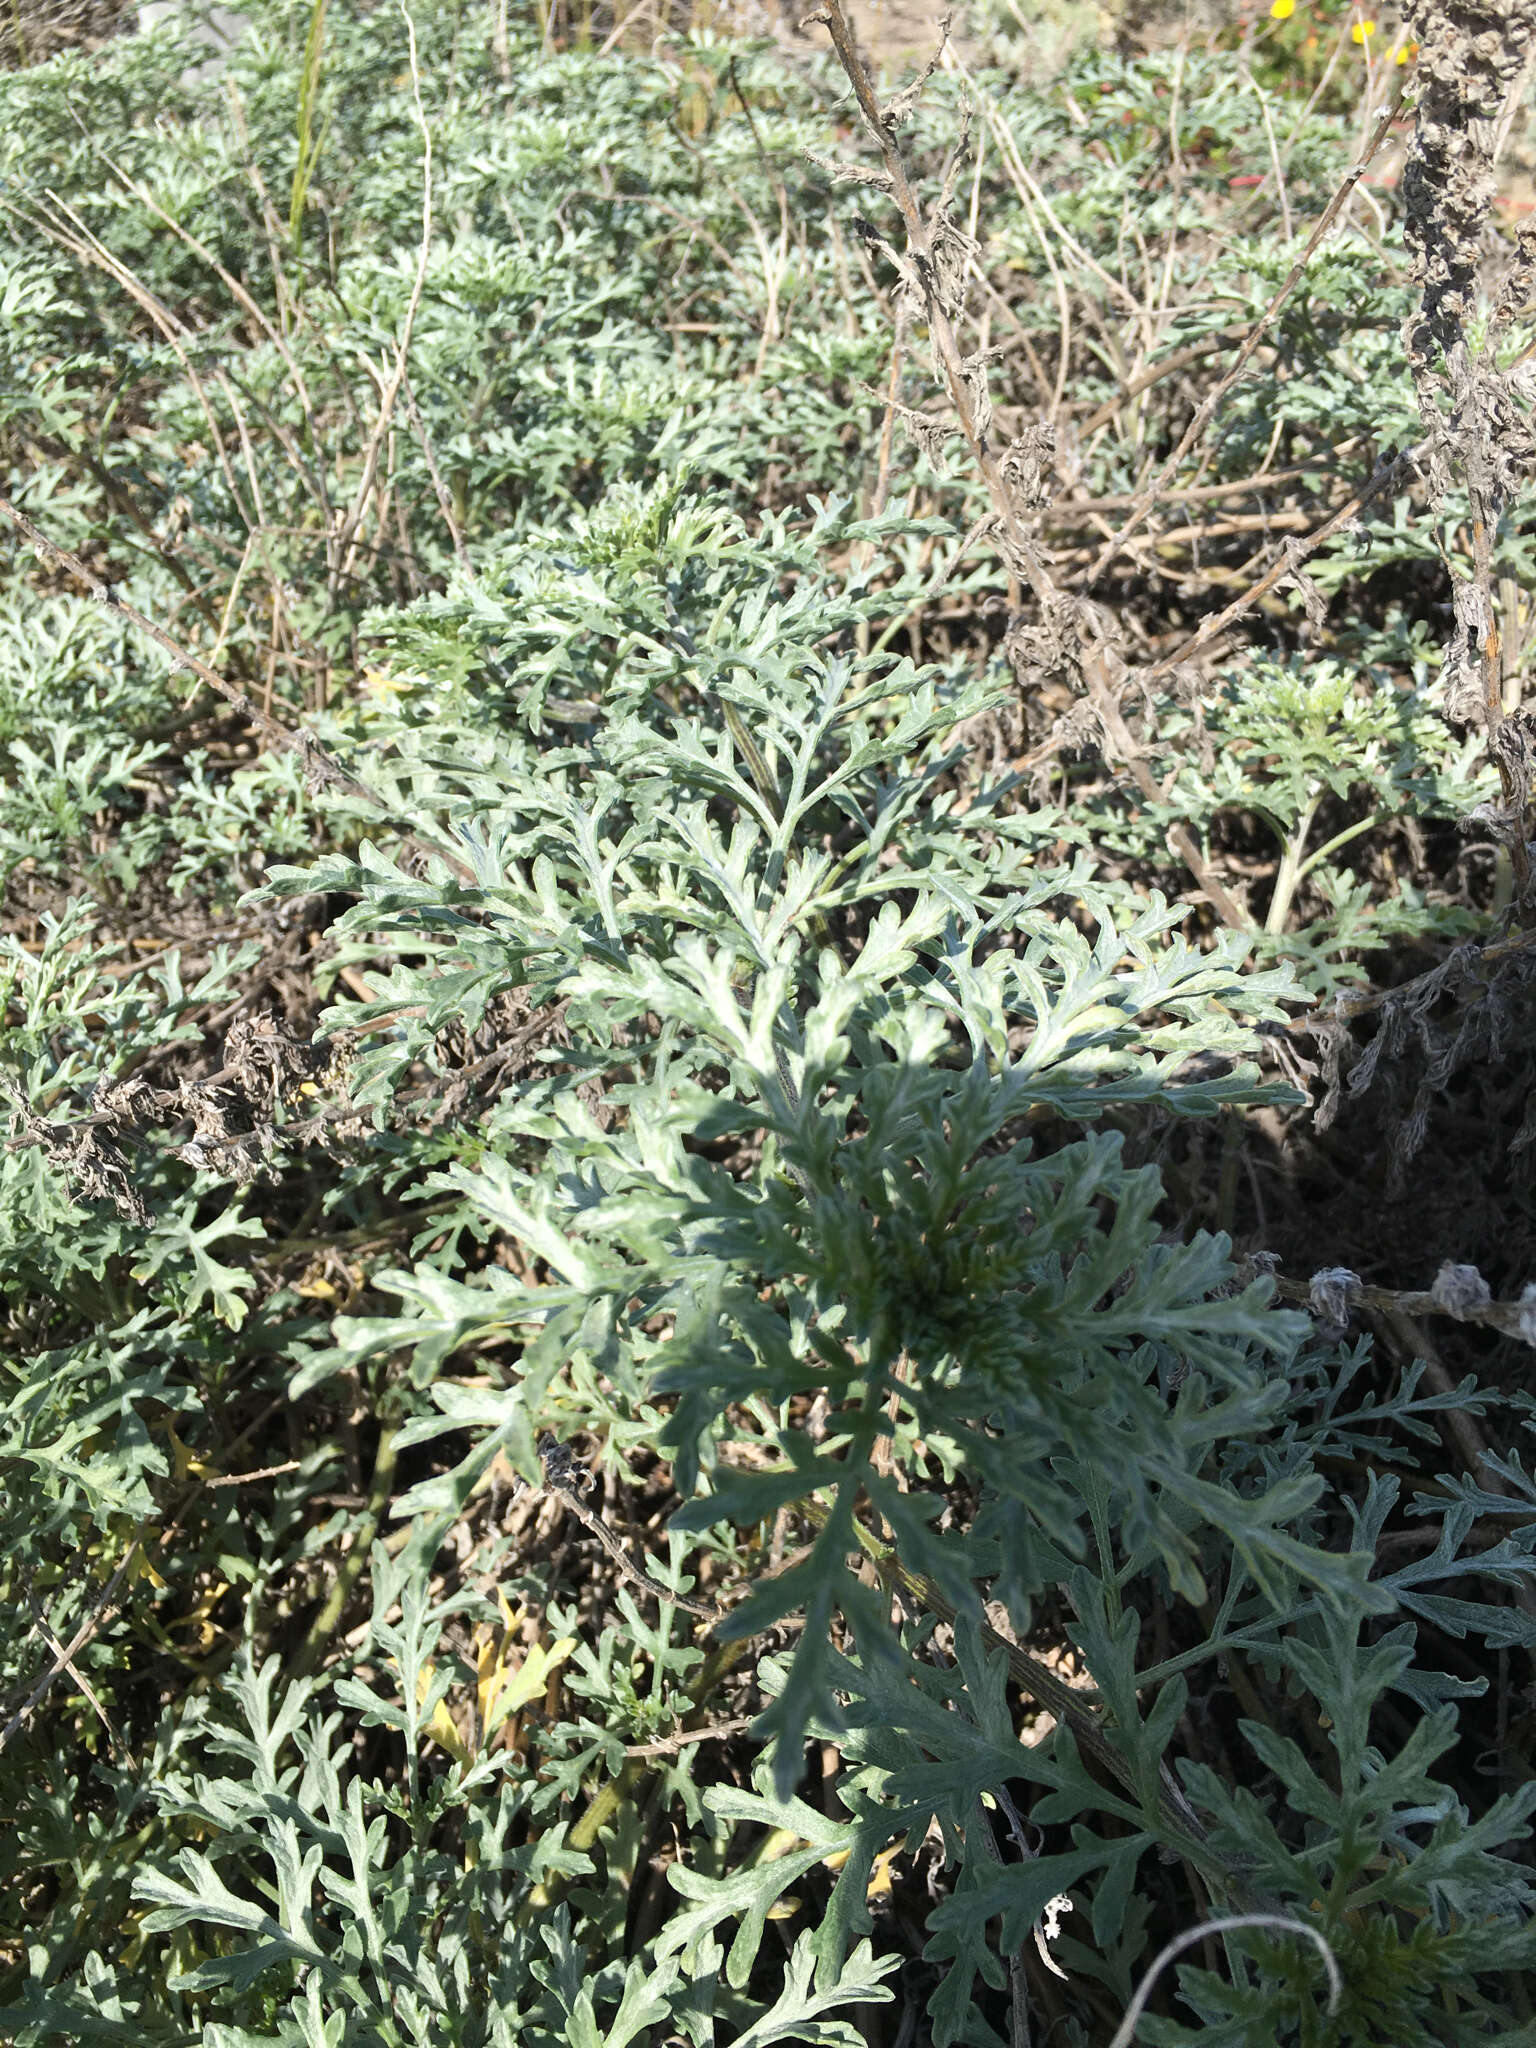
(348, 532)
(1509, 1318)
(671, 1745)
(318, 761)
(935, 259)
(1155, 373)
(565, 1478)
(110, 1598)
(1206, 411)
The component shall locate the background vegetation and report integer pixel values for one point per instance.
(766, 1232)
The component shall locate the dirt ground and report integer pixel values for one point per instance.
(32, 30)
(899, 34)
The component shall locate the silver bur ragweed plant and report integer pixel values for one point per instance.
(629, 1409)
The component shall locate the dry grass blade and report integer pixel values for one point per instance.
(1207, 409)
(1228, 1924)
(439, 487)
(348, 536)
(78, 239)
(932, 251)
(321, 766)
(328, 768)
(64, 1660)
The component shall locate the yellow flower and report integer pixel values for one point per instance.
(1407, 53)
(1361, 31)
(1282, 10)
(383, 687)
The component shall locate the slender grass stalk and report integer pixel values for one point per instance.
(22, 58)
(309, 142)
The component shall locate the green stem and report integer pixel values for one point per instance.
(1290, 871)
(326, 1622)
(1332, 846)
(309, 148)
(607, 1801)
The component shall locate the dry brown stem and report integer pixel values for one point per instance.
(321, 763)
(1207, 409)
(349, 532)
(1473, 60)
(933, 272)
(1507, 1317)
(1387, 472)
(1165, 366)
